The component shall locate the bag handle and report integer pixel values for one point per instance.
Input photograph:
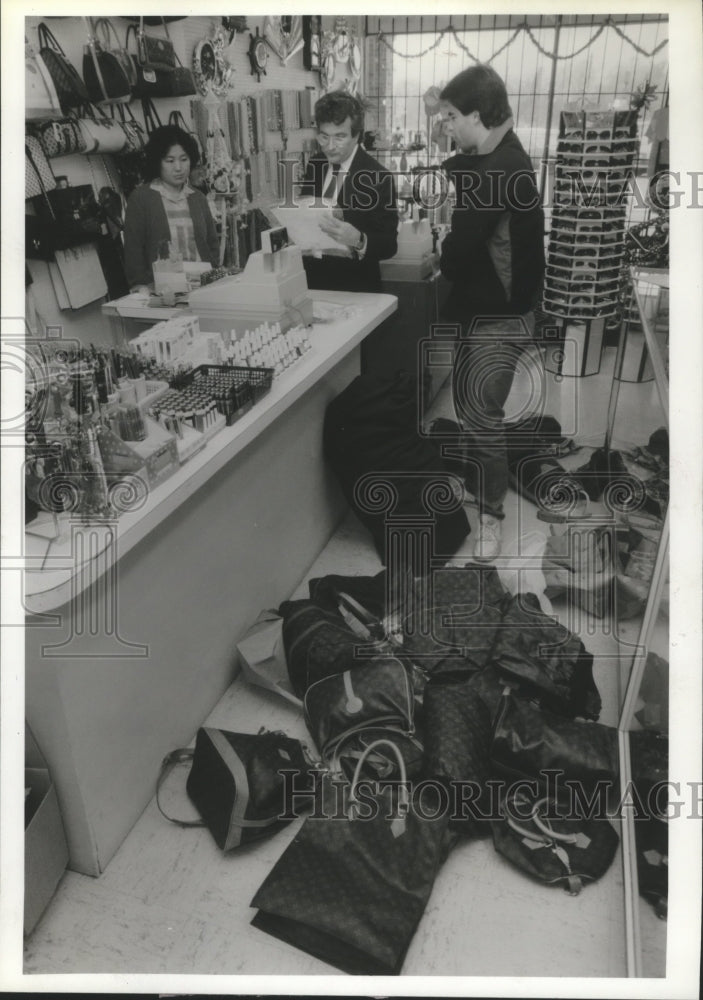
(47, 199)
(150, 113)
(182, 755)
(163, 21)
(398, 823)
(47, 39)
(95, 49)
(105, 25)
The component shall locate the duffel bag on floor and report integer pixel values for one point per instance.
(352, 886)
(552, 847)
(237, 785)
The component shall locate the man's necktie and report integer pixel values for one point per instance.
(330, 191)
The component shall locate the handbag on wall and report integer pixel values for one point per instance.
(40, 97)
(102, 134)
(70, 89)
(38, 176)
(108, 72)
(159, 71)
(69, 216)
(134, 133)
(351, 888)
(236, 783)
(61, 136)
(154, 52)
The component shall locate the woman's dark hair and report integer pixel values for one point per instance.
(160, 141)
(336, 107)
(479, 89)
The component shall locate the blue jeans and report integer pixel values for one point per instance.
(484, 368)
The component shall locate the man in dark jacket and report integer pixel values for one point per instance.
(366, 218)
(494, 258)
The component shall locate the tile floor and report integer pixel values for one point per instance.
(170, 902)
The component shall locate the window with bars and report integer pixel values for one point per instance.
(547, 62)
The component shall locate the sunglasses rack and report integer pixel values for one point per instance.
(596, 154)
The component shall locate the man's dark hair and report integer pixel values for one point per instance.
(479, 88)
(160, 141)
(336, 107)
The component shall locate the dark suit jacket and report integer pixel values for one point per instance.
(367, 199)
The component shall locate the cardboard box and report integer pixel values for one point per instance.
(45, 847)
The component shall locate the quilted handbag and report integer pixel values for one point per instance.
(40, 97)
(108, 72)
(543, 657)
(375, 693)
(553, 848)
(38, 176)
(457, 741)
(61, 136)
(154, 52)
(528, 742)
(237, 784)
(352, 886)
(70, 89)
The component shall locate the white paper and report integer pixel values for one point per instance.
(303, 224)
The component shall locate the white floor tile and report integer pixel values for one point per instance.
(171, 902)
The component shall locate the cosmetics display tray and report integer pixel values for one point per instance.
(349, 318)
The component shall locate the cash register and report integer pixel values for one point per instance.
(272, 288)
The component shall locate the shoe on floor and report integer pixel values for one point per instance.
(490, 538)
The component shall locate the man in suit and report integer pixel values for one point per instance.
(366, 218)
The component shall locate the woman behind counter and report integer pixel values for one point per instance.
(166, 209)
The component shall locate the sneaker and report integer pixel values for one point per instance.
(490, 537)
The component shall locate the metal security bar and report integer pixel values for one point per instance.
(547, 62)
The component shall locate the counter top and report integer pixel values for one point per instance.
(342, 321)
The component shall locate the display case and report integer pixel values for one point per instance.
(642, 629)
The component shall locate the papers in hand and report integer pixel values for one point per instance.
(303, 224)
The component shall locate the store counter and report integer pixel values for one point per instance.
(132, 625)
(132, 313)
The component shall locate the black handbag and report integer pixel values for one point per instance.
(69, 217)
(371, 429)
(551, 847)
(352, 886)
(545, 659)
(372, 694)
(237, 785)
(158, 70)
(108, 73)
(70, 89)
(528, 742)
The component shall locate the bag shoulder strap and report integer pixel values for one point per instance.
(182, 755)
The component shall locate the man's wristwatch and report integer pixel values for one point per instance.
(360, 247)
